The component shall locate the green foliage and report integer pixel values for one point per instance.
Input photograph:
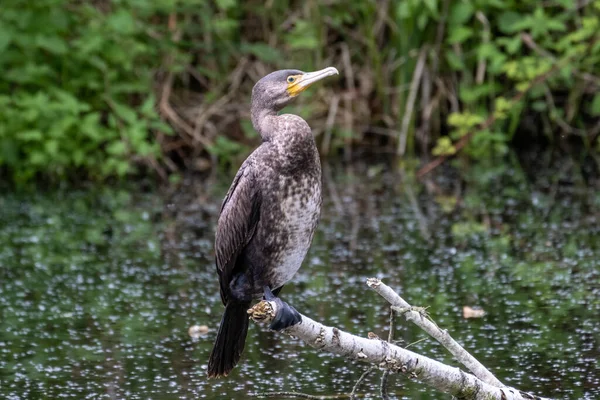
(81, 80)
(225, 148)
(76, 88)
(501, 49)
(444, 147)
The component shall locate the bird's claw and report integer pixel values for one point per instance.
(286, 316)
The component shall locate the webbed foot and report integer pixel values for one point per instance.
(286, 315)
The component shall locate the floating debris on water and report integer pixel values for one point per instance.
(470, 312)
(195, 331)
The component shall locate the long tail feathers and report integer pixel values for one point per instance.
(230, 340)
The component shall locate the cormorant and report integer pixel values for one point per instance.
(269, 215)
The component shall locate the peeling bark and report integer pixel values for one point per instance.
(395, 359)
(412, 314)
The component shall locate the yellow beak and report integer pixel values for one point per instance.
(306, 80)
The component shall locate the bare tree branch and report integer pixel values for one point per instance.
(388, 356)
(353, 394)
(418, 317)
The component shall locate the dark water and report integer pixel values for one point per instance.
(99, 287)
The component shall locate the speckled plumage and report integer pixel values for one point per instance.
(268, 217)
(270, 214)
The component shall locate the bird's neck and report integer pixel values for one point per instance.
(264, 117)
(263, 120)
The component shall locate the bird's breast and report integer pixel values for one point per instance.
(299, 209)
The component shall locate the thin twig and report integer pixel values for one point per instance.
(386, 373)
(333, 108)
(529, 42)
(348, 118)
(410, 103)
(419, 317)
(481, 66)
(556, 116)
(164, 104)
(388, 356)
(353, 394)
(594, 132)
(332, 189)
(384, 383)
(415, 342)
(299, 395)
(423, 223)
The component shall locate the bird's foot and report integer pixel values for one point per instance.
(286, 315)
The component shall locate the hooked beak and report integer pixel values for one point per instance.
(307, 79)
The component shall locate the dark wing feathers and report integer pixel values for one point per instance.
(239, 216)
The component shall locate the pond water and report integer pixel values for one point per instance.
(99, 286)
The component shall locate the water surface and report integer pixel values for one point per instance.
(99, 286)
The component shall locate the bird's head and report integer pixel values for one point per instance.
(277, 89)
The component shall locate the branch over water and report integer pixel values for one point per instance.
(482, 384)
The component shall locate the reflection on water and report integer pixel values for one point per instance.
(99, 287)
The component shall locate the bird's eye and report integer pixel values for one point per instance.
(291, 79)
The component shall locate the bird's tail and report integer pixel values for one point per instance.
(230, 340)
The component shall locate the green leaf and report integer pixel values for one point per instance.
(459, 34)
(78, 157)
(33, 135)
(147, 107)
(460, 13)
(123, 168)
(5, 38)
(511, 44)
(121, 22)
(487, 51)
(225, 25)
(53, 44)
(303, 36)
(124, 112)
(595, 106)
(455, 62)
(161, 126)
(262, 51)
(422, 20)
(51, 147)
(507, 22)
(501, 4)
(567, 4)
(38, 158)
(432, 6)
(117, 148)
(556, 25)
(226, 4)
(248, 129)
(539, 105)
(502, 107)
(9, 151)
(471, 94)
(443, 147)
(403, 10)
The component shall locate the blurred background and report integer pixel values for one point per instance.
(461, 157)
(97, 89)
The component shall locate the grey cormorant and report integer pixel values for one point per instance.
(269, 215)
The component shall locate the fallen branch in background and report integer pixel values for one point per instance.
(482, 384)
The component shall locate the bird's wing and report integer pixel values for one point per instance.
(239, 216)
